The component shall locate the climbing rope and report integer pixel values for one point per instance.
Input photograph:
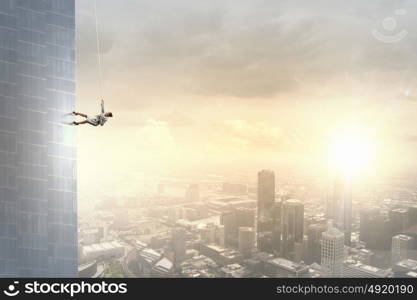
(100, 71)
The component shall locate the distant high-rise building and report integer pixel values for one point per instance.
(245, 217)
(401, 247)
(220, 236)
(213, 234)
(332, 251)
(365, 217)
(299, 251)
(341, 206)
(247, 238)
(208, 233)
(265, 206)
(178, 243)
(398, 220)
(38, 190)
(228, 220)
(314, 234)
(266, 194)
(276, 228)
(292, 220)
(375, 229)
(264, 241)
(232, 220)
(412, 215)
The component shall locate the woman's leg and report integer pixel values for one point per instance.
(80, 123)
(79, 114)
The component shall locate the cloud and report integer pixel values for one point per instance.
(244, 49)
(243, 136)
(155, 136)
(176, 119)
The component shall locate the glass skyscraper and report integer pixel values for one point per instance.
(266, 208)
(292, 227)
(342, 206)
(38, 208)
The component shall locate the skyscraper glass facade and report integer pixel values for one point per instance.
(38, 211)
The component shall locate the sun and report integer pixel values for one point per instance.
(352, 151)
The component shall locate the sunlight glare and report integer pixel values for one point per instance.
(352, 152)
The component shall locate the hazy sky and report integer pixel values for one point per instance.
(212, 85)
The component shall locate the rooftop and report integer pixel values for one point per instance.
(408, 263)
(412, 274)
(403, 237)
(164, 264)
(103, 246)
(286, 264)
(362, 270)
(150, 255)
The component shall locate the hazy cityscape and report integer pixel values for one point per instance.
(267, 225)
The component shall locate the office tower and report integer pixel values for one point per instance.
(220, 236)
(192, 194)
(266, 194)
(341, 206)
(245, 217)
(398, 220)
(264, 241)
(412, 215)
(247, 238)
(365, 217)
(178, 243)
(292, 223)
(228, 219)
(208, 233)
(265, 206)
(401, 248)
(276, 228)
(265, 225)
(299, 251)
(332, 250)
(375, 229)
(38, 211)
(212, 234)
(314, 234)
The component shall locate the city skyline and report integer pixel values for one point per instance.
(230, 232)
